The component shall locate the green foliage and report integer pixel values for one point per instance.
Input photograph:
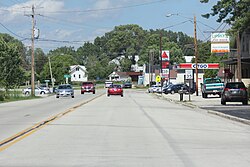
(11, 73)
(60, 65)
(233, 12)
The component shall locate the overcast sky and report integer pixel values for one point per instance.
(73, 22)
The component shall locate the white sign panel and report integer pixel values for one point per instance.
(219, 38)
(189, 74)
(165, 71)
(165, 55)
(220, 48)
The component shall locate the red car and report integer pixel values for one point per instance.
(88, 87)
(115, 90)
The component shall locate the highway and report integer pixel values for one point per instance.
(135, 130)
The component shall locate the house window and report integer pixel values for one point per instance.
(79, 75)
(77, 68)
(74, 75)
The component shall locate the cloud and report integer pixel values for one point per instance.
(16, 12)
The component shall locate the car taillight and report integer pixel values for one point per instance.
(226, 89)
(243, 89)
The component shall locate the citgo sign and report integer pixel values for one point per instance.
(199, 66)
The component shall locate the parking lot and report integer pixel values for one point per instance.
(233, 110)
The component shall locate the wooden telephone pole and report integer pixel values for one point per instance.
(32, 53)
(196, 57)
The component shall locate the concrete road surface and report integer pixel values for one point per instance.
(137, 130)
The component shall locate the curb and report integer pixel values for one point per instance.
(191, 105)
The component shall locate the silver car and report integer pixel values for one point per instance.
(64, 91)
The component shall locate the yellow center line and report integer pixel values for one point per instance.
(6, 143)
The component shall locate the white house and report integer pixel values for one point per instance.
(78, 73)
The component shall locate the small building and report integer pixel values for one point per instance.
(78, 73)
(124, 76)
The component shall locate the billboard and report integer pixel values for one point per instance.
(220, 43)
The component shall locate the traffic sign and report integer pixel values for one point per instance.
(66, 76)
(158, 78)
(189, 74)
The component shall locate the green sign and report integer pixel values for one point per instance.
(66, 76)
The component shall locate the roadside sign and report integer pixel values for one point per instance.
(165, 55)
(158, 78)
(189, 74)
(47, 80)
(66, 76)
(199, 65)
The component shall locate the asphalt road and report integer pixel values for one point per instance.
(136, 130)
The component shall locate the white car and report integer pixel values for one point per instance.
(38, 91)
(154, 88)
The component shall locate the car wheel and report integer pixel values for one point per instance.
(205, 95)
(82, 92)
(42, 93)
(245, 102)
(223, 102)
(94, 92)
(108, 95)
(122, 95)
(27, 93)
(57, 96)
(73, 96)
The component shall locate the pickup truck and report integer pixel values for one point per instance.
(212, 86)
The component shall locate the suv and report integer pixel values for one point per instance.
(88, 87)
(234, 92)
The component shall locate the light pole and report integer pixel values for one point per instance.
(195, 50)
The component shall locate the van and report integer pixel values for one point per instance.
(88, 87)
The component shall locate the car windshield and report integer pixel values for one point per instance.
(213, 81)
(235, 85)
(115, 86)
(64, 87)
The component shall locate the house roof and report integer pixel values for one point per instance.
(73, 68)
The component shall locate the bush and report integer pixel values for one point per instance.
(248, 90)
(2, 95)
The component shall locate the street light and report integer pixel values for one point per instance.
(195, 49)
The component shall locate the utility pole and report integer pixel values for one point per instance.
(51, 76)
(196, 57)
(32, 53)
(161, 74)
(238, 57)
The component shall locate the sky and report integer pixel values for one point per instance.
(74, 22)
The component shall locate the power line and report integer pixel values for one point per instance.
(22, 38)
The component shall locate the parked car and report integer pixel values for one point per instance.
(38, 91)
(115, 90)
(65, 90)
(174, 88)
(88, 87)
(234, 92)
(154, 88)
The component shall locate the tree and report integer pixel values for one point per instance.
(60, 66)
(233, 12)
(11, 73)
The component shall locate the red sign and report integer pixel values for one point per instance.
(165, 64)
(200, 66)
(165, 55)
